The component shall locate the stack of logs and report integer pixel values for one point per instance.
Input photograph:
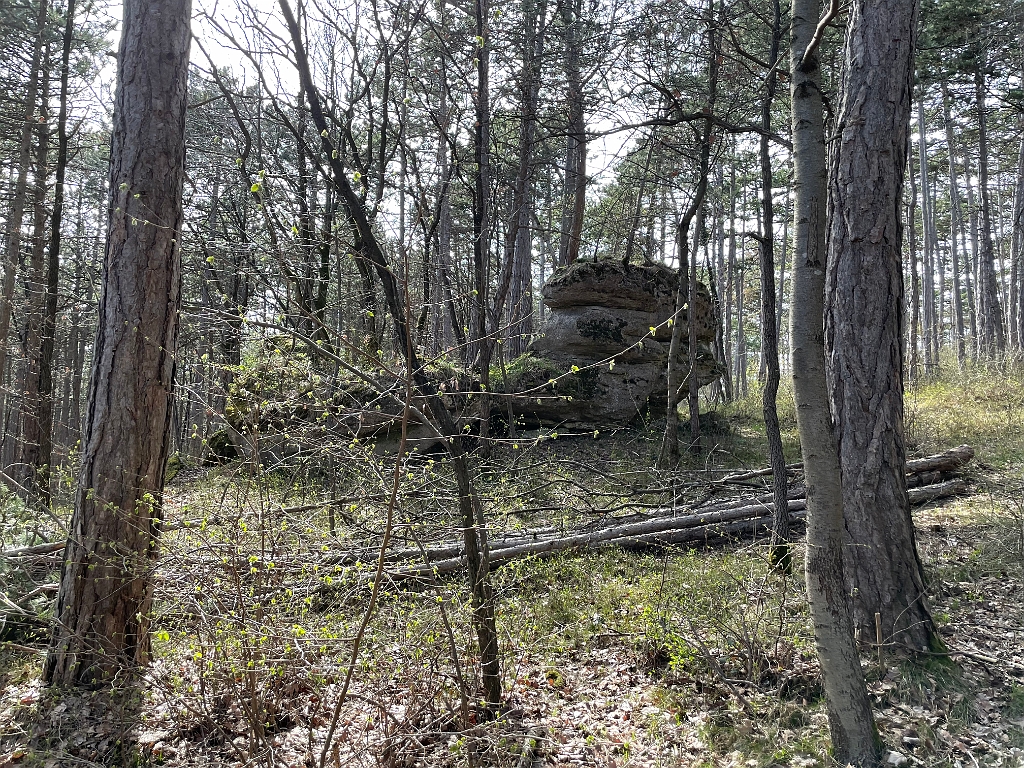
(928, 479)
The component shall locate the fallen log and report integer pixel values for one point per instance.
(947, 461)
(937, 491)
(660, 531)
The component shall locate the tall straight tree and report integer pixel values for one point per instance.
(36, 446)
(105, 593)
(864, 321)
(854, 738)
(19, 201)
(770, 346)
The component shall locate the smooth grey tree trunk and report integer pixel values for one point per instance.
(102, 612)
(854, 738)
(864, 323)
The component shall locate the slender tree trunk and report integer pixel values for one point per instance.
(914, 352)
(928, 258)
(519, 251)
(686, 295)
(864, 324)
(779, 555)
(1017, 253)
(105, 595)
(16, 217)
(29, 469)
(470, 508)
(955, 228)
(854, 738)
(483, 342)
(722, 277)
(574, 193)
(49, 320)
(990, 311)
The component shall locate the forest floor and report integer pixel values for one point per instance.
(692, 657)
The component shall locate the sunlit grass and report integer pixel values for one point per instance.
(981, 405)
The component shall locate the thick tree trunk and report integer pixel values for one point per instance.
(105, 595)
(854, 738)
(864, 324)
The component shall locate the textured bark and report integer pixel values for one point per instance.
(106, 588)
(854, 739)
(864, 323)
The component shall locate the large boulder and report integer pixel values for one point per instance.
(601, 356)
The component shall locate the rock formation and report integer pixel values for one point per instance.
(601, 355)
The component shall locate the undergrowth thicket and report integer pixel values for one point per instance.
(264, 580)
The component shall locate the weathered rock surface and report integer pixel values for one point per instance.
(602, 353)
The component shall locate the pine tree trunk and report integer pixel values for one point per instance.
(992, 340)
(864, 324)
(19, 200)
(106, 584)
(914, 352)
(955, 227)
(1017, 244)
(931, 357)
(574, 193)
(519, 251)
(29, 470)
